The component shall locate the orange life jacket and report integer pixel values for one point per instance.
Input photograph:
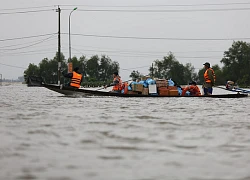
(76, 80)
(125, 88)
(194, 90)
(206, 77)
(117, 87)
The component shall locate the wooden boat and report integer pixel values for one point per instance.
(70, 91)
(34, 81)
(238, 90)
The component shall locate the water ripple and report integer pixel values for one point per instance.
(48, 136)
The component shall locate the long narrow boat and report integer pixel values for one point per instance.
(70, 91)
(237, 90)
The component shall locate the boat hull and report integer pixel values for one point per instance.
(238, 90)
(70, 91)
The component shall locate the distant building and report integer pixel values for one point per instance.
(21, 78)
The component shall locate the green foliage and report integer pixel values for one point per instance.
(237, 63)
(95, 71)
(32, 70)
(135, 74)
(169, 67)
(47, 69)
(98, 71)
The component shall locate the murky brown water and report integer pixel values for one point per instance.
(47, 136)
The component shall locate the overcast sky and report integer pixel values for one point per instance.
(200, 31)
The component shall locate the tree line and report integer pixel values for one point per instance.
(236, 67)
(98, 70)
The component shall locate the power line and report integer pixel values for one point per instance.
(13, 66)
(34, 52)
(161, 11)
(14, 45)
(27, 37)
(34, 7)
(160, 38)
(41, 41)
(145, 52)
(167, 5)
(151, 56)
(128, 50)
(138, 54)
(25, 12)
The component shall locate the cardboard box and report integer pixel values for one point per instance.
(132, 92)
(161, 83)
(173, 93)
(145, 91)
(152, 89)
(163, 91)
(137, 87)
(172, 87)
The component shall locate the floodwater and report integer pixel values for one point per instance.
(47, 136)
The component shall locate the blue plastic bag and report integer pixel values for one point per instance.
(170, 82)
(179, 91)
(150, 81)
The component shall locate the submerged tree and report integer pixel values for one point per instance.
(135, 74)
(93, 70)
(237, 63)
(170, 67)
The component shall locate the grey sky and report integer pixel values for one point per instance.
(184, 23)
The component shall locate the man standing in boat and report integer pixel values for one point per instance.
(209, 79)
(117, 83)
(75, 76)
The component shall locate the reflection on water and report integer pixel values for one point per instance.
(47, 136)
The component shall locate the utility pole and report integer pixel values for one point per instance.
(59, 45)
(69, 34)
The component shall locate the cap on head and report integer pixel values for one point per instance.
(76, 69)
(192, 83)
(115, 73)
(207, 64)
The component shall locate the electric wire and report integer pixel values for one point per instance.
(163, 5)
(34, 7)
(27, 37)
(25, 12)
(162, 10)
(13, 66)
(160, 38)
(14, 45)
(39, 42)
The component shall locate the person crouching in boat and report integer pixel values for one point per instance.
(75, 76)
(192, 88)
(117, 83)
(209, 79)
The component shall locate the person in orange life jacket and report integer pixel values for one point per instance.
(209, 79)
(117, 83)
(75, 76)
(192, 88)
